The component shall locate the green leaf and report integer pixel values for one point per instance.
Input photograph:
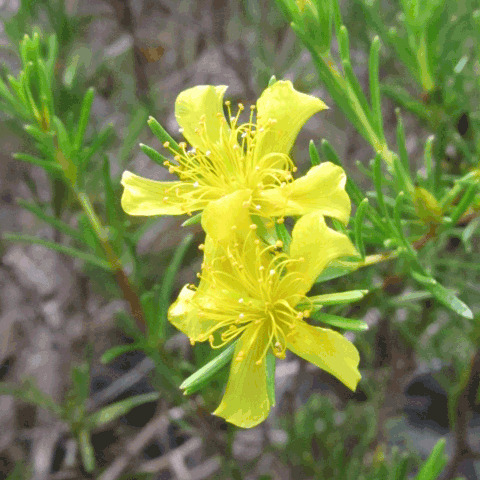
(339, 298)
(375, 87)
(435, 463)
(28, 392)
(358, 226)
(84, 117)
(444, 296)
(73, 252)
(162, 134)
(465, 202)
(80, 389)
(86, 451)
(341, 322)
(271, 361)
(51, 220)
(111, 200)
(401, 144)
(114, 352)
(198, 379)
(46, 165)
(118, 409)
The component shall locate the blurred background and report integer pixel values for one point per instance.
(60, 313)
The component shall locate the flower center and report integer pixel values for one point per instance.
(229, 164)
(251, 288)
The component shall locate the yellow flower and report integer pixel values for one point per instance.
(256, 294)
(229, 156)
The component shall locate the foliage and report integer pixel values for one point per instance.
(415, 220)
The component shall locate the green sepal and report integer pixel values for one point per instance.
(339, 298)
(341, 322)
(271, 363)
(162, 134)
(194, 220)
(153, 155)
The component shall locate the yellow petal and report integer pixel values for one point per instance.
(197, 103)
(321, 190)
(142, 196)
(316, 245)
(328, 350)
(246, 401)
(289, 109)
(184, 315)
(227, 217)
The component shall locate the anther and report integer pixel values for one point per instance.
(241, 315)
(280, 220)
(278, 244)
(240, 300)
(166, 144)
(233, 227)
(253, 226)
(180, 130)
(201, 247)
(258, 207)
(272, 272)
(208, 152)
(195, 184)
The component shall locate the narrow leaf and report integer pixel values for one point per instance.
(444, 296)
(51, 220)
(358, 226)
(198, 379)
(435, 463)
(375, 87)
(86, 451)
(118, 409)
(114, 352)
(84, 117)
(73, 252)
(46, 165)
